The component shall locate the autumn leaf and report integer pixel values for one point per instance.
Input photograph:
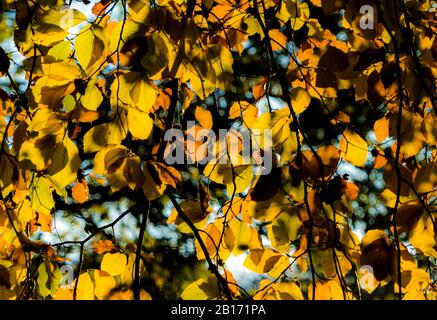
(103, 246)
(353, 148)
(114, 263)
(202, 289)
(204, 117)
(80, 192)
(104, 163)
(300, 99)
(277, 39)
(326, 290)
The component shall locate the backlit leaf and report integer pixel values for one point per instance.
(353, 148)
(114, 263)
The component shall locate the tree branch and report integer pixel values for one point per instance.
(137, 277)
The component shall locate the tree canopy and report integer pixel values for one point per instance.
(342, 92)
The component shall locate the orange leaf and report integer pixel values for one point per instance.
(100, 7)
(103, 246)
(277, 39)
(259, 90)
(381, 129)
(80, 192)
(351, 190)
(204, 117)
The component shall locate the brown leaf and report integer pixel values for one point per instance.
(266, 186)
(334, 60)
(378, 256)
(376, 91)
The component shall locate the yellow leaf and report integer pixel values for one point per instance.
(202, 289)
(63, 18)
(42, 221)
(278, 291)
(89, 46)
(418, 285)
(60, 51)
(64, 294)
(168, 175)
(300, 99)
(85, 287)
(283, 230)
(157, 55)
(297, 12)
(104, 283)
(193, 210)
(142, 94)
(102, 135)
(269, 209)
(93, 97)
(140, 123)
(114, 263)
(259, 89)
(389, 197)
(371, 236)
(426, 178)
(25, 212)
(326, 290)
(37, 151)
(41, 196)
(109, 158)
(6, 175)
(118, 31)
(430, 128)
(48, 35)
(96, 138)
(241, 231)
(64, 165)
(234, 174)
(243, 109)
(211, 237)
(422, 236)
(412, 131)
(353, 148)
(284, 140)
(129, 295)
(127, 277)
(60, 72)
(262, 260)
